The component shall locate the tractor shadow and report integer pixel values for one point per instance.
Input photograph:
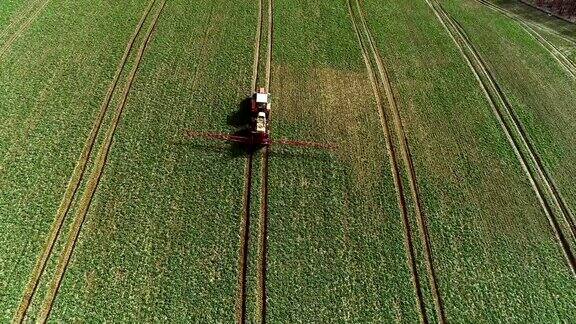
(239, 120)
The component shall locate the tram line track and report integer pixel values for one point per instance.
(77, 176)
(551, 201)
(95, 177)
(382, 88)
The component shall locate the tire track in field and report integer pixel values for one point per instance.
(14, 21)
(515, 134)
(245, 235)
(549, 30)
(564, 61)
(394, 166)
(534, 24)
(94, 180)
(263, 242)
(23, 27)
(257, 47)
(571, 69)
(409, 165)
(76, 178)
(245, 226)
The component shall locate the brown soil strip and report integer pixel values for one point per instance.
(411, 255)
(514, 133)
(8, 44)
(566, 63)
(245, 235)
(94, 179)
(406, 156)
(75, 180)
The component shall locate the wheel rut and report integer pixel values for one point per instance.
(564, 61)
(409, 165)
(22, 28)
(263, 241)
(551, 201)
(241, 309)
(17, 20)
(245, 236)
(78, 176)
(382, 88)
(94, 180)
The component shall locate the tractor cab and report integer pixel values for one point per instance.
(260, 101)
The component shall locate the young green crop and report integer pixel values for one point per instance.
(161, 240)
(335, 238)
(492, 245)
(534, 15)
(11, 13)
(52, 80)
(540, 91)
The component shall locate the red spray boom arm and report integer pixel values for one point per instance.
(251, 141)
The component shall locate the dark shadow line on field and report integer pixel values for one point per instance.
(240, 118)
(236, 150)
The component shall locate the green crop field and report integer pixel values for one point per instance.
(421, 165)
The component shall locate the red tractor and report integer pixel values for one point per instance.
(259, 128)
(260, 116)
